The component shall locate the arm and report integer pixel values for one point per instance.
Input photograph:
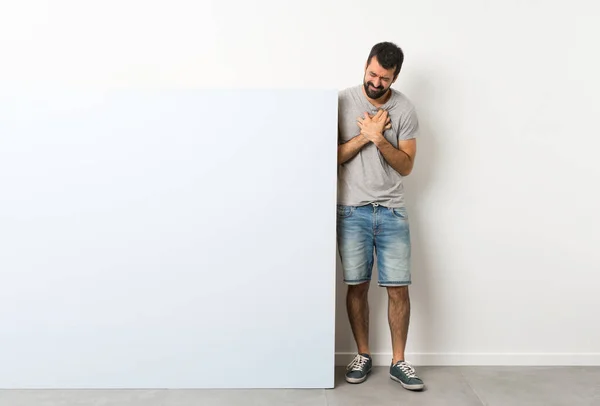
(401, 159)
(348, 150)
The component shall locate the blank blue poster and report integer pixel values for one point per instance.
(168, 239)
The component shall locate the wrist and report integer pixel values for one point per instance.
(363, 138)
(379, 139)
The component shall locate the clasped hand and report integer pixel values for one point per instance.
(372, 128)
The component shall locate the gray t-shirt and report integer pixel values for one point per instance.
(368, 178)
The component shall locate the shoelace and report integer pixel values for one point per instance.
(358, 363)
(407, 369)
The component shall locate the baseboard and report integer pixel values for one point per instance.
(482, 359)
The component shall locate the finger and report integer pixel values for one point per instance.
(387, 127)
(379, 114)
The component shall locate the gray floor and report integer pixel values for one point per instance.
(456, 386)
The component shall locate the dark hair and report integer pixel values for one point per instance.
(389, 56)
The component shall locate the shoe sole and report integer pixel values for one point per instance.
(407, 386)
(358, 380)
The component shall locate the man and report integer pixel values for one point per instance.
(377, 130)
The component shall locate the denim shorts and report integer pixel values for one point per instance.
(365, 232)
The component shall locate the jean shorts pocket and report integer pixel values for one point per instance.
(344, 211)
(400, 213)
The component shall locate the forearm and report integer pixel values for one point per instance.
(396, 158)
(348, 150)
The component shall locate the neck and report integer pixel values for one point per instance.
(378, 102)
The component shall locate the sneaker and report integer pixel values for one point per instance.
(404, 373)
(359, 368)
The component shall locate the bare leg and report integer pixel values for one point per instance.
(357, 306)
(398, 316)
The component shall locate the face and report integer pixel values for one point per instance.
(377, 80)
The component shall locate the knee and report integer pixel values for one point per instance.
(358, 290)
(398, 293)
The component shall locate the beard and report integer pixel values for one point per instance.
(374, 92)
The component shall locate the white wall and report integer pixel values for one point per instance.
(504, 196)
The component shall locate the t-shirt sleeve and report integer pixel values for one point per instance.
(342, 101)
(409, 126)
(339, 117)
